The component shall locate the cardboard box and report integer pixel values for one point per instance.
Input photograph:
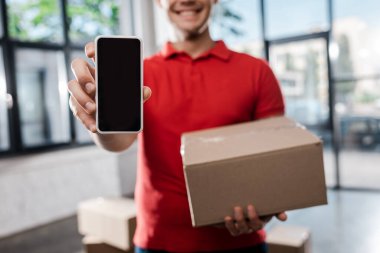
(289, 239)
(93, 244)
(112, 220)
(275, 164)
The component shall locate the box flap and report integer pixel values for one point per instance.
(122, 208)
(244, 139)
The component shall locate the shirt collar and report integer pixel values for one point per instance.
(219, 50)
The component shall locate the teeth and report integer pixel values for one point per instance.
(188, 13)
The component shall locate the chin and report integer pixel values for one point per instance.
(193, 29)
(190, 33)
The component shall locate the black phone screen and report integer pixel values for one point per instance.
(118, 84)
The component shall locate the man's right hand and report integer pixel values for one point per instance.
(82, 90)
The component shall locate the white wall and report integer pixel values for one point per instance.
(37, 189)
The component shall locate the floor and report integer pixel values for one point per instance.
(349, 224)
(57, 237)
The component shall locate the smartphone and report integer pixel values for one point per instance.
(119, 80)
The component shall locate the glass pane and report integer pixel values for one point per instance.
(4, 133)
(294, 17)
(238, 23)
(90, 18)
(35, 20)
(82, 135)
(358, 110)
(42, 97)
(301, 68)
(356, 34)
(1, 22)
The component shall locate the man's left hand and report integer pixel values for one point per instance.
(239, 224)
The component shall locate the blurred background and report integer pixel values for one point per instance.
(325, 54)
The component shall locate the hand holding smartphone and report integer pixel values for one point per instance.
(119, 79)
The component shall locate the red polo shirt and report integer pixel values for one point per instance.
(220, 87)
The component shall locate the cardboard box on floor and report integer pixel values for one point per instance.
(275, 164)
(112, 220)
(289, 239)
(93, 244)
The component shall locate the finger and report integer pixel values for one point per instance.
(85, 65)
(241, 224)
(147, 92)
(90, 89)
(90, 50)
(83, 71)
(282, 216)
(252, 215)
(231, 226)
(254, 220)
(73, 106)
(87, 120)
(81, 97)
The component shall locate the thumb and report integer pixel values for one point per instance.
(147, 92)
(282, 216)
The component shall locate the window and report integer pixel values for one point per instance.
(301, 68)
(89, 18)
(35, 20)
(358, 111)
(294, 17)
(42, 96)
(238, 23)
(356, 34)
(356, 72)
(39, 49)
(4, 104)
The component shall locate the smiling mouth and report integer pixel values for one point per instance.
(188, 13)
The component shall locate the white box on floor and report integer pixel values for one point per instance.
(93, 244)
(112, 220)
(289, 239)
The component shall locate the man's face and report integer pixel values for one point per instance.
(190, 17)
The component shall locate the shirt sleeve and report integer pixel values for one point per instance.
(269, 100)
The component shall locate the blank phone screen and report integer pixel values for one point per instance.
(119, 84)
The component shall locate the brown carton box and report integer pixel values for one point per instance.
(274, 164)
(112, 220)
(289, 239)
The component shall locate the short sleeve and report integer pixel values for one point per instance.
(269, 100)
